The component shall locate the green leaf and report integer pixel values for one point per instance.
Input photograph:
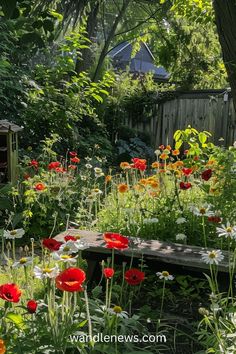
(83, 323)
(178, 144)
(16, 319)
(202, 138)
(8, 7)
(177, 135)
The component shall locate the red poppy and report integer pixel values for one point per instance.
(206, 175)
(71, 280)
(185, 185)
(134, 276)
(53, 165)
(10, 292)
(108, 272)
(39, 186)
(215, 219)
(34, 164)
(116, 241)
(51, 244)
(75, 159)
(70, 238)
(72, 167)
(187, 171)
(73, 153)
(139, 164)
(32, 306)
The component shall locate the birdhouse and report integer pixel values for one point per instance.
(8, 151)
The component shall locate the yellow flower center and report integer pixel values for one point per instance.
(23, 260)
(13, 232)
(117, 309)
(229, 229)
(212, 255)
(65, 256)
(165, 273)
(47, 270)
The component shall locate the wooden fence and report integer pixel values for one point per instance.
(210, 110)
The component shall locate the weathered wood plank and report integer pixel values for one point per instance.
(170, 253)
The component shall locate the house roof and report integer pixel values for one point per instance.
(6, 127)
(142, 62)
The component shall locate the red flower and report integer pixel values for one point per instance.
(75, 159)
(72, 167)
(73, 153)
(71, 280)
(116, 241)
(187, 171)
(108, 272)
(39, 186)
(185, 185)
(34, 164)
(139, 164)
(54, 165)
(51, 244)
(59, 169)
(10, 292)
(26, 176)
(196, 158)
(134, 276)
(70, 238)
(185, 152)
(162, 147)
(32, 306)
(215, 219)
(206, 175)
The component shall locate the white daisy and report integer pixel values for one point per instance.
(22, 262)
(204, 210)
(42, 273)
(70, 247)
(180, 237)
(65, 258)
(180, 220)
(227, 231)
(96, 191)
(17, 233)
(212, 257)
(165, 275)
(98, 172)
(87, 165)
(117, 311)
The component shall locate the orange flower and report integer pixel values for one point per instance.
(122, 188)
(179, 164)
(2, 347)
(138, 187)
(75, 159)
(124, 165)
(168, 147)
(175, 152)
(153, 194)
(143, 181)
(154, 185)
(108, 178)
(164, 156)
(155, 164)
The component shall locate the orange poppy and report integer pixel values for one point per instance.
(122, 188)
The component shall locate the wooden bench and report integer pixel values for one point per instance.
(168, 254)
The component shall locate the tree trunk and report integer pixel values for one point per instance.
(87, 56)
(109, 38)
(225, 15)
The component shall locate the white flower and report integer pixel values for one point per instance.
(83, 178)
(117, 311)
(180, 237)
(98, 172)
(42, 273)
(157, 152)
(150, 221)
(17, 233)
(165, 275)
(22, 262)
(70, 247)
(65, 258)
(87, 165)
(180, 221)
(228, 230)
(212, 257)
(204, 210)
(96, 191)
